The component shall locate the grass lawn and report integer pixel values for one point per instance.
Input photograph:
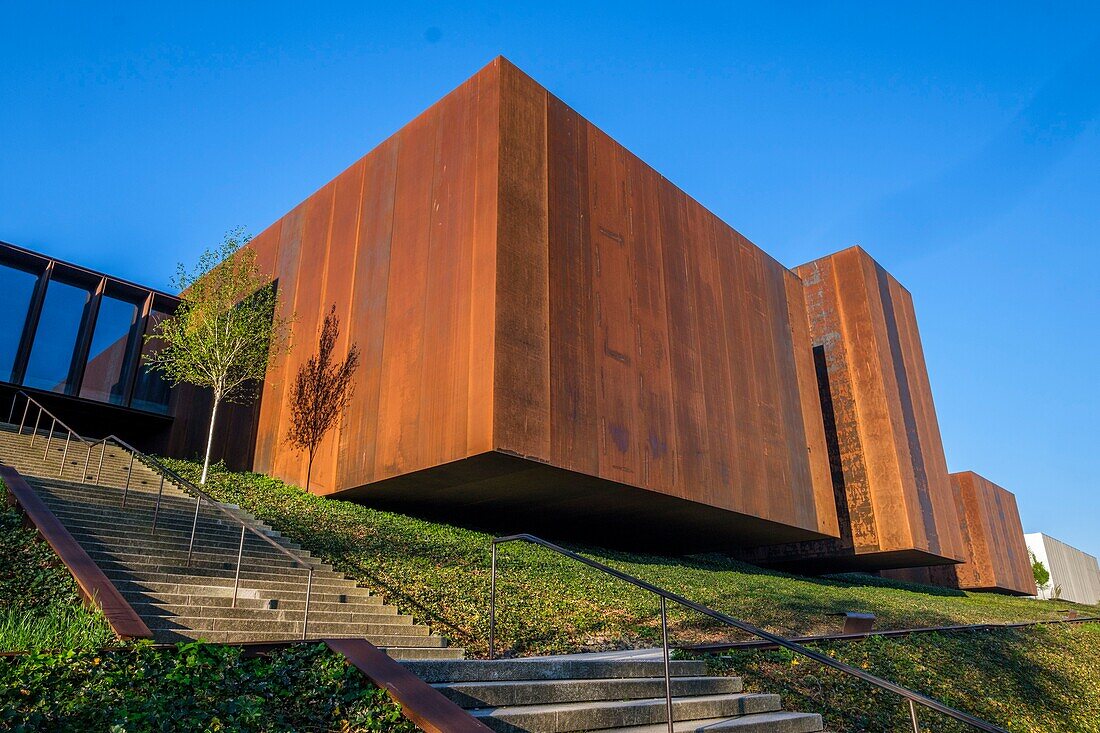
(1029, 680)
(40, 607)
(548, 604)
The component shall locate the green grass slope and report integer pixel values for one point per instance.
(40, 607)
(549, 604)
(1028, 680)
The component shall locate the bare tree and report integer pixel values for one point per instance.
(321, 392)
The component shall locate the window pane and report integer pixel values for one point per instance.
(151, 392)
(17, 287)
(55, 339)
(107, 365)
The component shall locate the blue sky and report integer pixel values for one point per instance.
(958, 144)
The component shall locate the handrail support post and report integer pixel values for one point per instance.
(493, 604)
(49, 440)
(309, 592)
(668, 666)
(99, 471)
(237, 577)
(34, 433)
(913, 716)
(156, 509)
(194, 526)
(65, 453)
(129, 475)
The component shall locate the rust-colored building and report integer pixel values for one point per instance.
(556, 339)
(893, 496)
(553, 336)
(996, 557)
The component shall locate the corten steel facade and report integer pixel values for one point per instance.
(997, 557)
(553, 337)
(556, 339)
(893, 495)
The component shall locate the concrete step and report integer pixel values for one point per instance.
(773, 722)
(296, 596)
(346, 614)
(200, 559)
(223, 597)
(127, 542)
(590, 716)
(395, 634)
(543, 692)
(290, 580)
(552, 668)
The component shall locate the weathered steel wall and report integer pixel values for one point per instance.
(996, 554)
(997, 557)
(403, 243)
(889, 472)
(547, 322)
(664, 350)
(1074, 575)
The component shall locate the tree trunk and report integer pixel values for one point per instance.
(209, 440)
(309, 469)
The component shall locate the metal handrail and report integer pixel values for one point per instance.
(165, 473)
(914, 698)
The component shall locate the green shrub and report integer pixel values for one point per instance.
(195, 687)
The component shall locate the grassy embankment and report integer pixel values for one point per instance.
(1043, 679)
(548, 604)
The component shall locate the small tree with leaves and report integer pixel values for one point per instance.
(1040, 573)
(227, 327)
(321, 392)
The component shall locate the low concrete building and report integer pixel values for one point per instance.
(1074, 575)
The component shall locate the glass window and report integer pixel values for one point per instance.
(55, 340)
(112, 339)
(151, 392)
(17, 286)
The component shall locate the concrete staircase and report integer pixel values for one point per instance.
(180, 601)
(580, 693)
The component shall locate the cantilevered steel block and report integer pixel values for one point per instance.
(890, 478)
(997, 558)
(555, 338)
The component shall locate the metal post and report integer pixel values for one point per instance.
(129, 473)
(99, 471)
(35, 431)
(156, 509)
(22, 422)
(309, 591)
(913, 716)
(11, 412)
(668, 666)
(87, 460)
(65, 454)
(194, 526)
(237, 577)
(49, 439)
(493, 605)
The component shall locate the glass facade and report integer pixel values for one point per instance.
(55, 340)
(151, 392)
(17, 286)
(65, 329)
(109, 358)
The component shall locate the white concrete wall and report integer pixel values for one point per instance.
(1076, 572)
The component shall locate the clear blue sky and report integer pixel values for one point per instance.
(959, 145)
